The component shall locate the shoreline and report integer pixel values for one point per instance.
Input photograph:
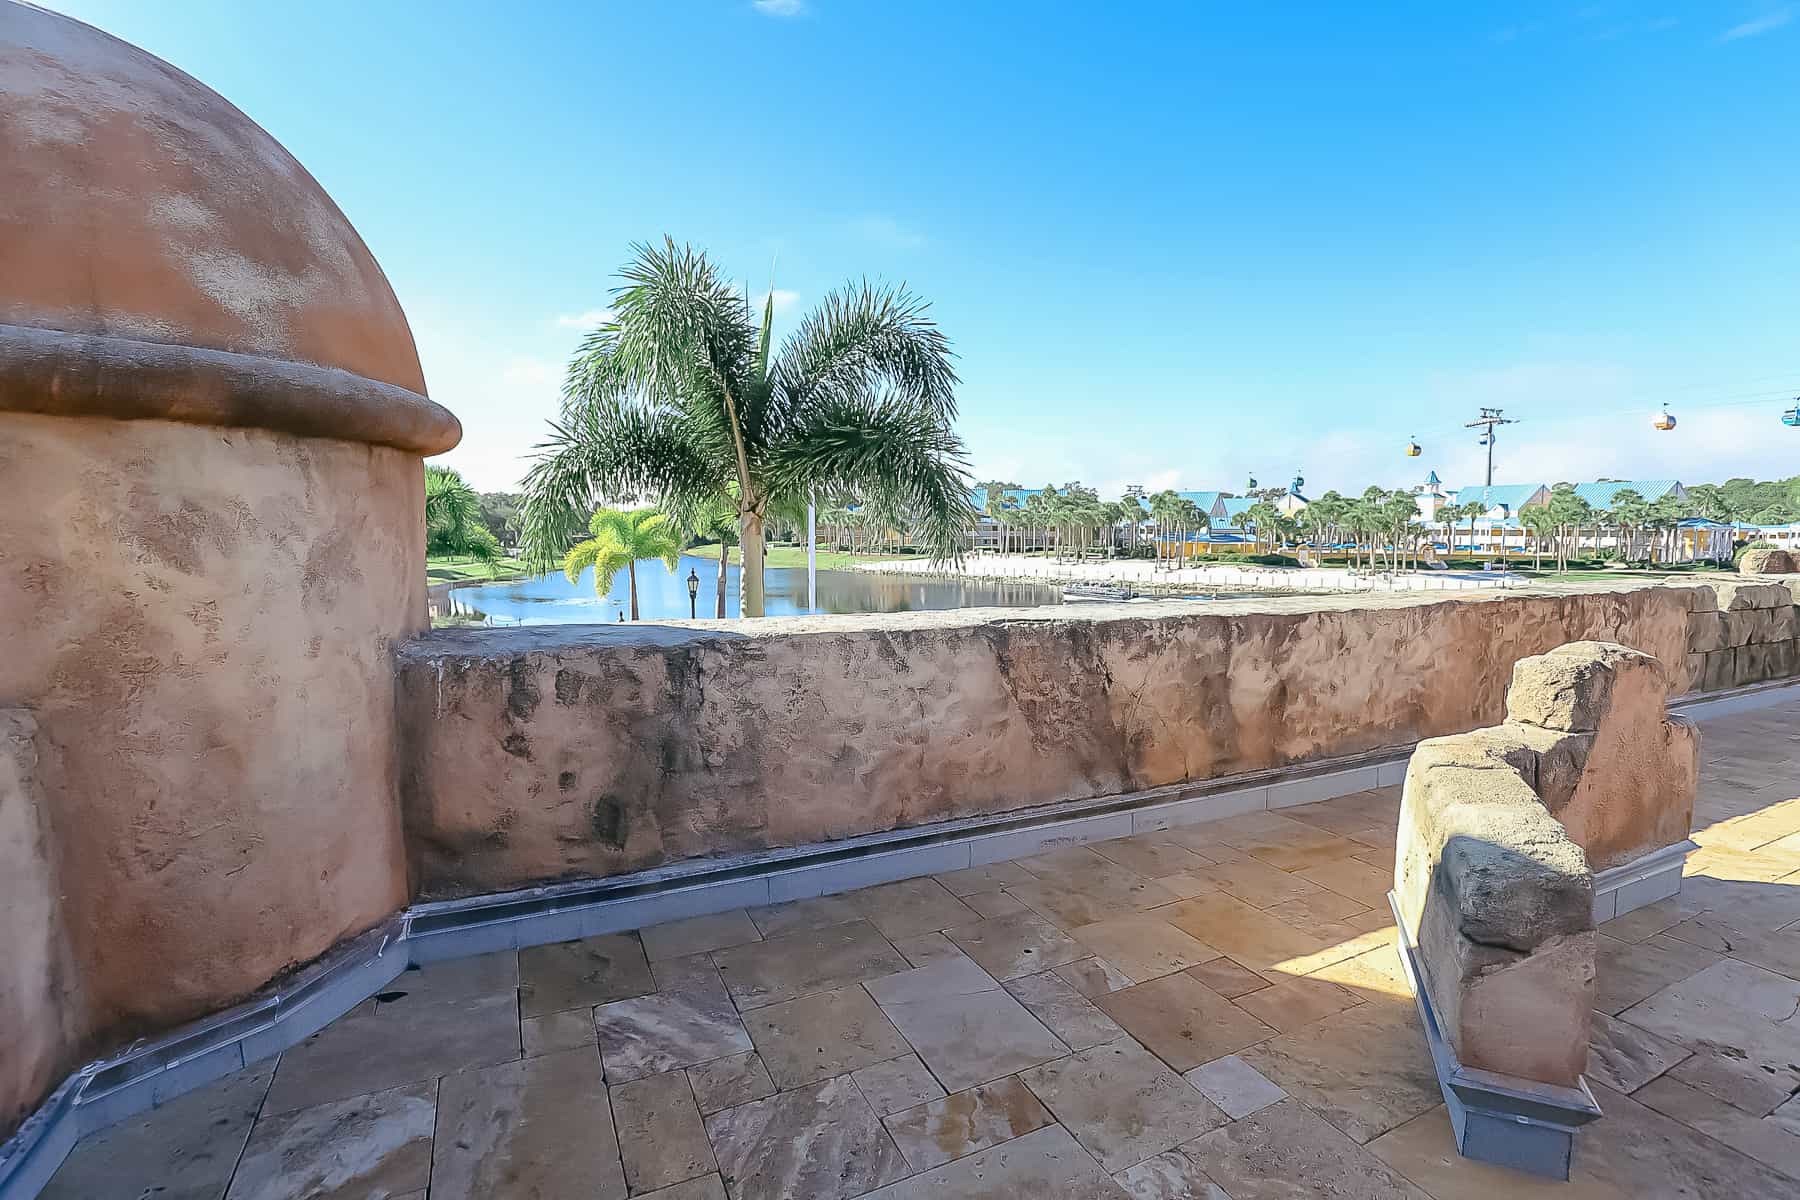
(1143, 573)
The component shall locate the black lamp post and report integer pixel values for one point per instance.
(693, 591)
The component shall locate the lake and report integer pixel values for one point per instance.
(553, 600)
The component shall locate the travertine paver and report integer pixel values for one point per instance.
(810, 960)
(1143, 946)
(965, 1028)
(1093, 976)
(188, 1147)
(647, 1035)
(540, 1127)
(556, 1031)
(591, 971)
(1365, 1069)
(773, 920)
(827, 1033)
(391, 1044)
(821, 1141)
(725, 1082)
(964, 1122)
(1063, 1010)
(1022, 943)
(1238, 1088)
(912, 906)
(1624, 1057)
(897, 1084)
(661, 1137)
(1228, 977)
(1286, 1150)
(1183, 1021)
(1711, 1068)
(697, 935)
(1122, 1103)
(370, 1145)
(1034, 1167)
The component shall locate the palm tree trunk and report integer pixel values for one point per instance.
(632, 568)
(750, 566)
(724, 562)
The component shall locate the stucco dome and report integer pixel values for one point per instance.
(142, 214)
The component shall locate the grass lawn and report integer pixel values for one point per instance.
(795, 556)
(451, 567)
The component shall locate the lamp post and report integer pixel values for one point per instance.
(693, 582)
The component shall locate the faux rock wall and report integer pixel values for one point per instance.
(1742, 633)
(543, 753)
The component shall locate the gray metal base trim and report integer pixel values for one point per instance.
(1510, 1122)
(1644, 880)
(153, 1072)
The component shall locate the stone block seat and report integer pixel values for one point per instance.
(1501, 833)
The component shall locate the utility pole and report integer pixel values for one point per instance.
(1490, 417)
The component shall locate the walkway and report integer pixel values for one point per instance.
(1212, 1012)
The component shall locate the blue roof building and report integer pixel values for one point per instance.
(1600, 495)
(1508, 497)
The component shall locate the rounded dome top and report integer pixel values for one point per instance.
(141, 207)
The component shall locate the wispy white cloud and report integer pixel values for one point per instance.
(779, 8)
(886, 231)
(584, 320)
(1757, 26)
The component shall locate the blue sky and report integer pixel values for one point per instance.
(1173, 243)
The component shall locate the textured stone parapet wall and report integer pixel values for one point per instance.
(1742, 633)
(37, 1018)
(543, 753)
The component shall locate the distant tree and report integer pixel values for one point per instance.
(500, 512)
(620, 539)
(453, 524)
(1630, 512)
(1540, 522)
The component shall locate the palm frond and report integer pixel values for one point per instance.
(864, 338)
(894, 453)
(609, 447)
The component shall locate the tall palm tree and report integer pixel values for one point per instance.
(1540, 521)
(682, 397)
(620, 539)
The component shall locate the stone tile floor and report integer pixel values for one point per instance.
(1213, 1012)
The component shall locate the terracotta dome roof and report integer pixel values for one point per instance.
(143, 215)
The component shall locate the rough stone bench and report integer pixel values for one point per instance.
(1502, 832)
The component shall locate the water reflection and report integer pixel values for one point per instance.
(553, 600)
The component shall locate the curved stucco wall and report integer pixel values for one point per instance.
(200, 623)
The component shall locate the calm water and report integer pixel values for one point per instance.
(553, 600)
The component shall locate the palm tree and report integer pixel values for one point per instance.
(1538, 520)
(1630, 512)
(1471, 512)
(453, 523)
(620, 539)
(716, 522)
(681, 397)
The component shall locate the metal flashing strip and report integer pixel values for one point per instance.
(1644, 880)
(1500, 1119)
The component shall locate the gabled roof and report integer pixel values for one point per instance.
(1600, 495)
(1231, 509)
(1014, 497)
(1203, 501)
(1513, 496)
